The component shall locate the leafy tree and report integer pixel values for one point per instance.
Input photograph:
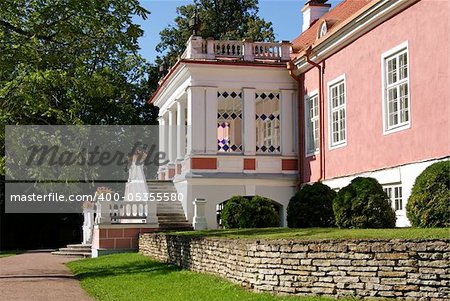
(71, 62)
(246, 212)
(312, 206)
(429, 203)
(219, 19)
(363, 204)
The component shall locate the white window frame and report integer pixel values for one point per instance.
(403, 47)
(338, 80)
(309, 153)
(392, 198)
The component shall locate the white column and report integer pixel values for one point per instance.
(287, 122)
(211, 120)
(196, 120)
(181, 129)
(172, 136)
(162, 135)
(249, 122)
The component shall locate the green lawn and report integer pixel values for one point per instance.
(7, 253)
(323, 233)
(131, 276)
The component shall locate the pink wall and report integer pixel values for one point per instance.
(425, 26)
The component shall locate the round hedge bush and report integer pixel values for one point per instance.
(363, 204)
(312, 206)
(429, 203)
(257, 212)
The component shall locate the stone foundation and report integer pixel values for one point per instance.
(117, 238)
(402, 269)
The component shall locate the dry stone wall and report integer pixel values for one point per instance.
(403, 269)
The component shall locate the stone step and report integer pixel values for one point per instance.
(75, 250)
(81, 246)
(72, 254)
(186, 228)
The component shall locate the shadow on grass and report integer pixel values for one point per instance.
(262, 232)
(102, 267)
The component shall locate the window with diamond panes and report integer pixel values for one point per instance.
(337, 113)
(267, 122)
(229, 121)
(395, 196)
(396, 90)
(312, 124)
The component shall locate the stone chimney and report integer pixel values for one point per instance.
(312, 11)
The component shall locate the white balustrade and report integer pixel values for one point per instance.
(126, 212)
(247, 50)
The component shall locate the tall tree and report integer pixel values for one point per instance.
(72, 62)
(69, 62)
(219, 19)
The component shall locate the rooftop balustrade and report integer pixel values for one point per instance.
(246, 50)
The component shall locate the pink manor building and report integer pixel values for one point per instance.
(363, 91)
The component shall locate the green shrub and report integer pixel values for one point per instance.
(363, 204)
(429, 203)
(241, 212)
(312, 206)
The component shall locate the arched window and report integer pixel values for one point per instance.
(322, 29)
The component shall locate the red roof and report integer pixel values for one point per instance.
(342, 12)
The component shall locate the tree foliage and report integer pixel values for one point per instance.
(245, 212)
(72, 62)
(363, 204)
(219, 19)
(429, 203)
(312, 206)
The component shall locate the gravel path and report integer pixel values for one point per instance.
(38, 276)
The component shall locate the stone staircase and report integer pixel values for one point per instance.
(75, 250)
(170, 214)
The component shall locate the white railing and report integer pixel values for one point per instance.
(228, 48)
(247, 50)
(110, 212)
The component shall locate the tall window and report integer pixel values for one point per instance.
(396, 88)
(337, 105)
(395, 194)
(267, 108)
(312, 124)
(229, 121)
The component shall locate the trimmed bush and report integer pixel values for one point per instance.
(257, 212)
(312, 206)
(363, 204)
(429, 203)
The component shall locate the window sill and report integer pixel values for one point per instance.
(397, 129)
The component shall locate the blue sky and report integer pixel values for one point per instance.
(284, 14)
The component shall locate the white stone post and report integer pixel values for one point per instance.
(199, 214)
(210, 51)
(88, 225)
(181, 130)
(172, 135)
(249, 121)
(196, 120)
(248, 50)
(211, 120)
(152, 218)
(103, 213)
(285, 50)
(287, 122)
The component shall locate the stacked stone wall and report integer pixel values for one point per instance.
(403, 269)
